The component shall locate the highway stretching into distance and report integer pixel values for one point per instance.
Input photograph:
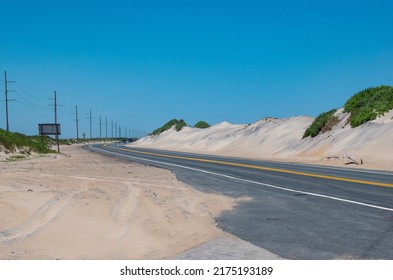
(297, 211)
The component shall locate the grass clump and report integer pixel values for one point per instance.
(321, 123)
(178, 124)
(202, 124)
(16, 158)
(12, 142)
(369, 104)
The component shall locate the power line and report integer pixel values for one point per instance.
(65, 110)
(30, 104)
(27, 93)
(27, 99)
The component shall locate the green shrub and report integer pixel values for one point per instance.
(368, 104)
(12, 141)
(179, 124)
(319, 124)
(166, 126)
(202, 124)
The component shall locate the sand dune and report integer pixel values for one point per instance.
(281, 139)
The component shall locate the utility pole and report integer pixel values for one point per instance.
(112, 129)
(106, 127)
(6, 91)
(57, 129)
(100, 127)
(6, 100)
(77, 120)
(119, 131)
(115, 129)
(90, 127)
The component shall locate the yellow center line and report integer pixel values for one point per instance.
(265, 168)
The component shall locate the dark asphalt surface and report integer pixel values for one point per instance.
(292, 215)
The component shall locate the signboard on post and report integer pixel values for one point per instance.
(49, 129)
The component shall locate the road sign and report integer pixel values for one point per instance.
(49, 129)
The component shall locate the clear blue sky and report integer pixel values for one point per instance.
(142, 63)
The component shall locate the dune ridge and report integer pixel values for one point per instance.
(281, 139)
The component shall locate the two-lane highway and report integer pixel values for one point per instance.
(297, 211)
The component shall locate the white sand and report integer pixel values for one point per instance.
(281, 139)
(88, 206)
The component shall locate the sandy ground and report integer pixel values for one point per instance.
(82, 205)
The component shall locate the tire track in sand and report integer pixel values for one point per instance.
(42, 216)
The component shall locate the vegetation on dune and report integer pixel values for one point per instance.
(330, 124)
(369, 104)
(364, 106)
(12, 142)
(202, 124)
(324, 122)
(178, 124)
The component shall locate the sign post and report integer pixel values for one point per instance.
(50, 129)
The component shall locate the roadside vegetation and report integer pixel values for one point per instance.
(88, 140)
(324, 122)
(364, 106)
(178, 124)
(13, 142)
(202, 124)
(369, 104)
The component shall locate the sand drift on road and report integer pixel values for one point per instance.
(87, 206)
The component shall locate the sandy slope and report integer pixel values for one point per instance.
(281, 139)
(87, 206)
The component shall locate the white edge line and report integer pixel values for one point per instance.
(250, 181)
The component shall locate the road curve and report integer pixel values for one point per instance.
(297, 211)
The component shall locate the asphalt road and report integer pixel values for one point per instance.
(296, 211)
